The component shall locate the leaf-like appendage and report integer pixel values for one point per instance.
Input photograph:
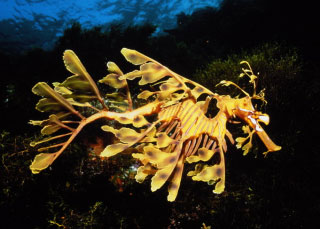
(77, 83)
(53, 124)
(161, 176)
(164, 164)
(170, 87)
(198, 169)
(114, 149)
(78, 104)
(163, 140)
(246, 129)
(42, 161)
(60, 116)
(81, 80)
(61, 90)
(175, 180)
(43, 89)
(142, 157)
(113, 68)
(240, 141)
(50, 129)
(109, 129)
(113, 81)
(72, 63)
(49, 105)
(156, 156)
(246, 148)
(175, 98)
(212, 173)
(248, 71)
(225, 83)
(203, 155)
(131, 75)
(125, 135)
(124, 120)
(175, 82)
(145, 94)
(134, 56)
(197, 91)
(143, 172)
(139, 121)
(151, 73)
(37, 122)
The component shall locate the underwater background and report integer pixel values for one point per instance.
(202, 40)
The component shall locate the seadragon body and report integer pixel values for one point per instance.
(181, 132)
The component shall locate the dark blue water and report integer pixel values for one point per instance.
(32, 23)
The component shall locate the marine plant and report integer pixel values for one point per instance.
(170, 129)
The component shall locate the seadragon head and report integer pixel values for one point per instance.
(243, 109)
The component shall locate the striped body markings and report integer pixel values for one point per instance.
(193, 122)
(192, 133)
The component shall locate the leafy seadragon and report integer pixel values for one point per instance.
(170, 129)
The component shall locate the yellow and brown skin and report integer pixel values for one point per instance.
(245, 111)
(196, 135)
(181, 131)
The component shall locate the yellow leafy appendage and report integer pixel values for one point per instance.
(179, 133)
